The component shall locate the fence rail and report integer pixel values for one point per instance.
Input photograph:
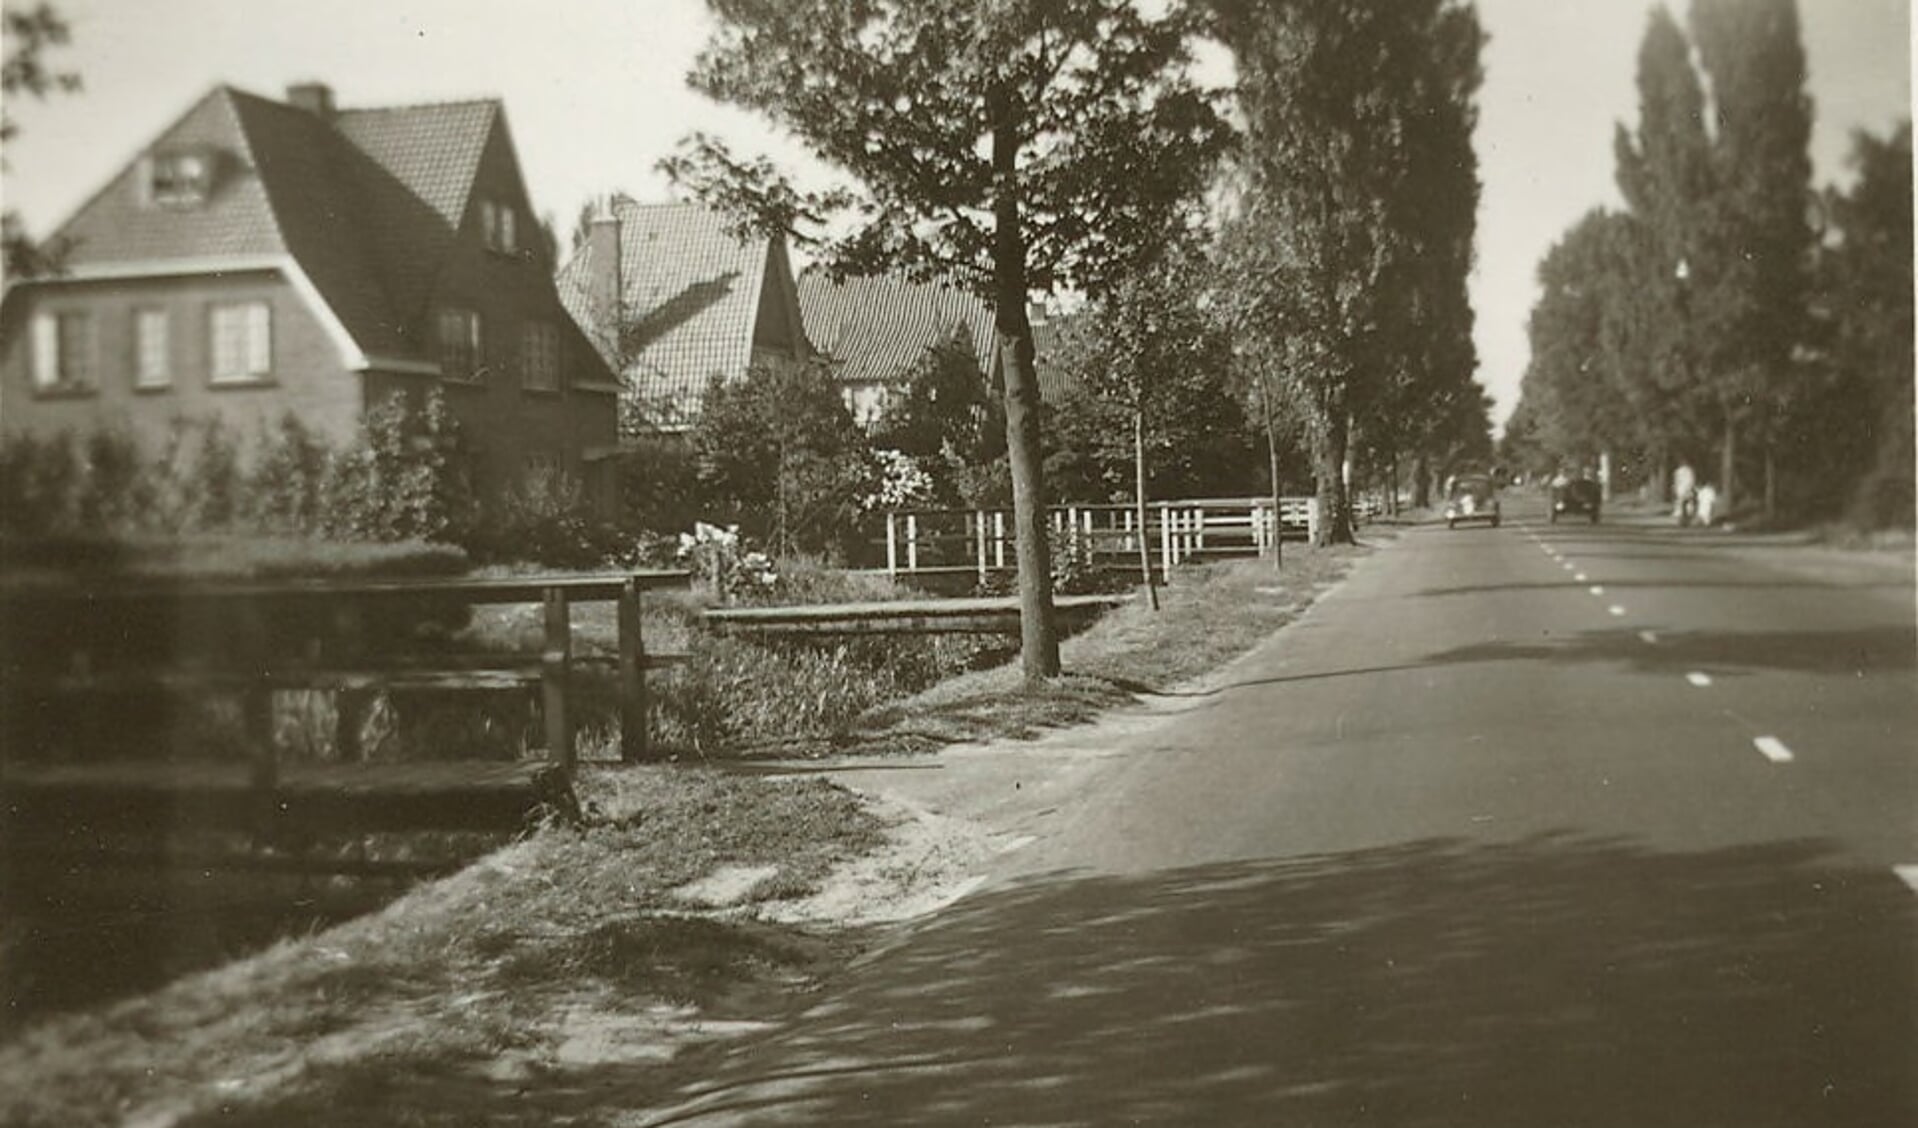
(981, 541)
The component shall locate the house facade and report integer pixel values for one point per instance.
(674, 299)
(263, 257)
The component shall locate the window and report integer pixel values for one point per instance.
(152, 366)
(180, 178)
(242, 342)
(500, 226)
(539, 357)
(459, 337)
(62, 351)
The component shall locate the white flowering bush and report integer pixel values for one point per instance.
(900, 481)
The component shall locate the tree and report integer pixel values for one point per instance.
(1361, 189)
(30, 34)
(946, 420)
(1759, 236)
(779, 453)
(1155, 368)
(1665, 173)
(1017, 146)
(1852, 435)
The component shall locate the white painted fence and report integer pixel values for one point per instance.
(982, 540)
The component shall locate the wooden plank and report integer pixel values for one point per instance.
(954, 616)
(583, 586)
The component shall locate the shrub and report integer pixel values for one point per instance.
(545, 519)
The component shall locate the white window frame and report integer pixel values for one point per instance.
(499, 226)
(469, 325)
(152, 345)
(240, 351)
(539, 367)
(56, 366)
(179, 178)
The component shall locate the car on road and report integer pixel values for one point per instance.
(1472, 497)
(1580, 495)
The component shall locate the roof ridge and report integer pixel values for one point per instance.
(402, 107)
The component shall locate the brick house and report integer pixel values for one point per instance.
(673, 298)
(264, 257)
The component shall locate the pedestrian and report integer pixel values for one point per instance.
(1684, 492)
(1707, 498)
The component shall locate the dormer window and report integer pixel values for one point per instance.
(499, 226)
(180, 177)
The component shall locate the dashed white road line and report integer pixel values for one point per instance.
(1579, 576)
(1018, 843)
(1649, 638)
(1701, 680)
(1595, 589)
(1567, 565)
(1908, 875)
(1615, 609)
(1773, 748)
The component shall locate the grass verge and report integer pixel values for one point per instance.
(1208, 616)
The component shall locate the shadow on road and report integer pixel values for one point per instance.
(1553, 981)
(1883, 648)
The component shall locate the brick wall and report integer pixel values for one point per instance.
(307, 376)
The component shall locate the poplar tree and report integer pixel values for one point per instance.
(1018, 147)
(1363, 184)
(1754, 62)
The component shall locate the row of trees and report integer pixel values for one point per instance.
(1729, 316)
(1023, 148)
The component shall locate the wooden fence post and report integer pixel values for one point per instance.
(999, 538)
(555, 668)
(1312, 519)
(1165, 541)
(979, 531)
(633, 742)
(892, 544)
(912, 542)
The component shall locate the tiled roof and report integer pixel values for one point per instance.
(368, 207)
(237, 219)
(691, 299)
(434, 150)
(876, 328)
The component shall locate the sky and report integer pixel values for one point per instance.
(595, 95)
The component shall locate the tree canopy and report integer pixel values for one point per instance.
(1017, 147)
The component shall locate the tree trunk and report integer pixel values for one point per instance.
(1422, 483)
(1771, 485)
(1138, 480)
(1335, 517)
(1272, 457)
(1727, 462)
(1038, 635)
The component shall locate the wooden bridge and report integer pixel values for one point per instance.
(82, 664)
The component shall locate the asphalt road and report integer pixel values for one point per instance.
(1535, 826)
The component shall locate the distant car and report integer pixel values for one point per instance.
(1473, 497)
(1580, 496)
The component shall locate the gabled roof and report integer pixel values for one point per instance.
(692, 298)
(876, 328)
(366, 207)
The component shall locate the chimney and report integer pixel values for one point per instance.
(603, 281)
(315, 98)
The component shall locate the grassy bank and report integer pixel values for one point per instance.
(559, 977)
